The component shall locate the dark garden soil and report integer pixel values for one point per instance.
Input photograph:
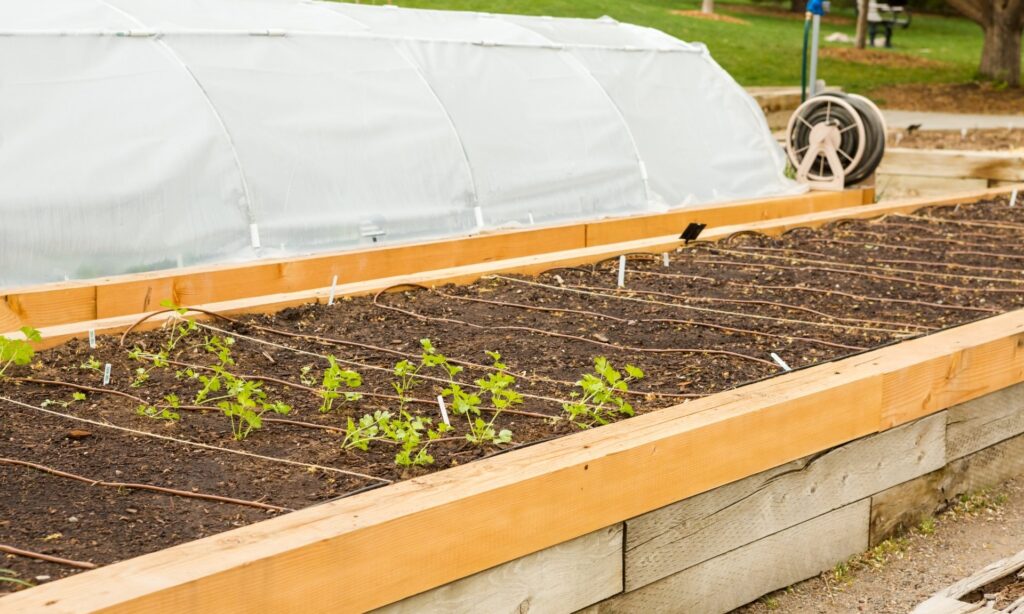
(709, 321)
(1001, 139)
(978, 97)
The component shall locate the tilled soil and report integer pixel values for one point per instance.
(710, 320)
(973, 140)
(978, 97)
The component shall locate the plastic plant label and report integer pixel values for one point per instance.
(92, 338)
(622, 272)
(782, 363)
(444, 410)
(106, 374)
(334, 288)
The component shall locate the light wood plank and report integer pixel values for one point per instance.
(564, 578)
(61, 303)
(985, 421)
(741, 576)
(953, 163)
(684, 534)
(526, 265)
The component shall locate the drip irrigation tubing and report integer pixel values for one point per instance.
(608, 316)
(149, 487)
(863, 266)
(537, 331)
(916, 282)
(597, 291)
(376, 368)
(189, 443)
(828, 316)
(47, 557)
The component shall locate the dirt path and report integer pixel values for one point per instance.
(900, 573)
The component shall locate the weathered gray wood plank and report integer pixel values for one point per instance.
(738, 577)
(687, 533)
(985, 421)
(564, 578)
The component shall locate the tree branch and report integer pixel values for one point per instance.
(971, 9)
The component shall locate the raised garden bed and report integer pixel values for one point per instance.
(708, 322)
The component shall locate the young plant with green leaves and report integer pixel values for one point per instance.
(334, 379)
(75, 397)
(245, 405)
(166, 413)
(601, 395)
(497, 386)
(18, 352)
(9, 576)
(159, 359)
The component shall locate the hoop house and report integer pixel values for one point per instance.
(145, 134)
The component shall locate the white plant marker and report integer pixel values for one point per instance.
(179, 261)
(782, 363)
(664, 259)
(106, 374)
(444, 410)
(92, 338)
(254, 235)
(334, 288)
(529, 215)
(622, 271)
(1013, 198)
(479, 213)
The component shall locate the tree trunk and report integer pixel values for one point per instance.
(707, 6)
(1000, 57)
(862, 23)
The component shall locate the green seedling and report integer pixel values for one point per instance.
(158, 413)
(245, 405)
(75, 397)
(601, 395)
(18, 352)
(369, 428)
(305, 377)
(92, 365)
(334, 378)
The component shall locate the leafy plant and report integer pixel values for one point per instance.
(498, 386)
(245, 405)
(368, 429)
(305, 377)
(158, 413)
(601, 394)
(334, 378)
(92, 365)
(75, 397)
(18, 352)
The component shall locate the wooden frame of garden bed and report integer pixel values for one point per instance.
(381, 546)
(77, 301)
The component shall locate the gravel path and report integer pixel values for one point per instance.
(900, 573)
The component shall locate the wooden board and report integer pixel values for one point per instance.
(945, 600)
(985, 422)
(687, 533)
(526, 265)
(954, 164)
(740, 576)
(61, 303)
(904, 506)
(565, 578)
(368, 550)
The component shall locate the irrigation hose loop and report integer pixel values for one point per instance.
(859, 143)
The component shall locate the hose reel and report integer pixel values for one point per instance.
(835, 140)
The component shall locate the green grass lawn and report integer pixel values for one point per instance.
(766, 51)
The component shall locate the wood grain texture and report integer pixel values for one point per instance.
(946, 600)
(564, 578)
(952, 163)
(985, 421)
(742, 575)
(527, 265)
(684, 534)
(62, 303)
(902, 507)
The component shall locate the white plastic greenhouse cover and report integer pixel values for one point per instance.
(146, 134)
